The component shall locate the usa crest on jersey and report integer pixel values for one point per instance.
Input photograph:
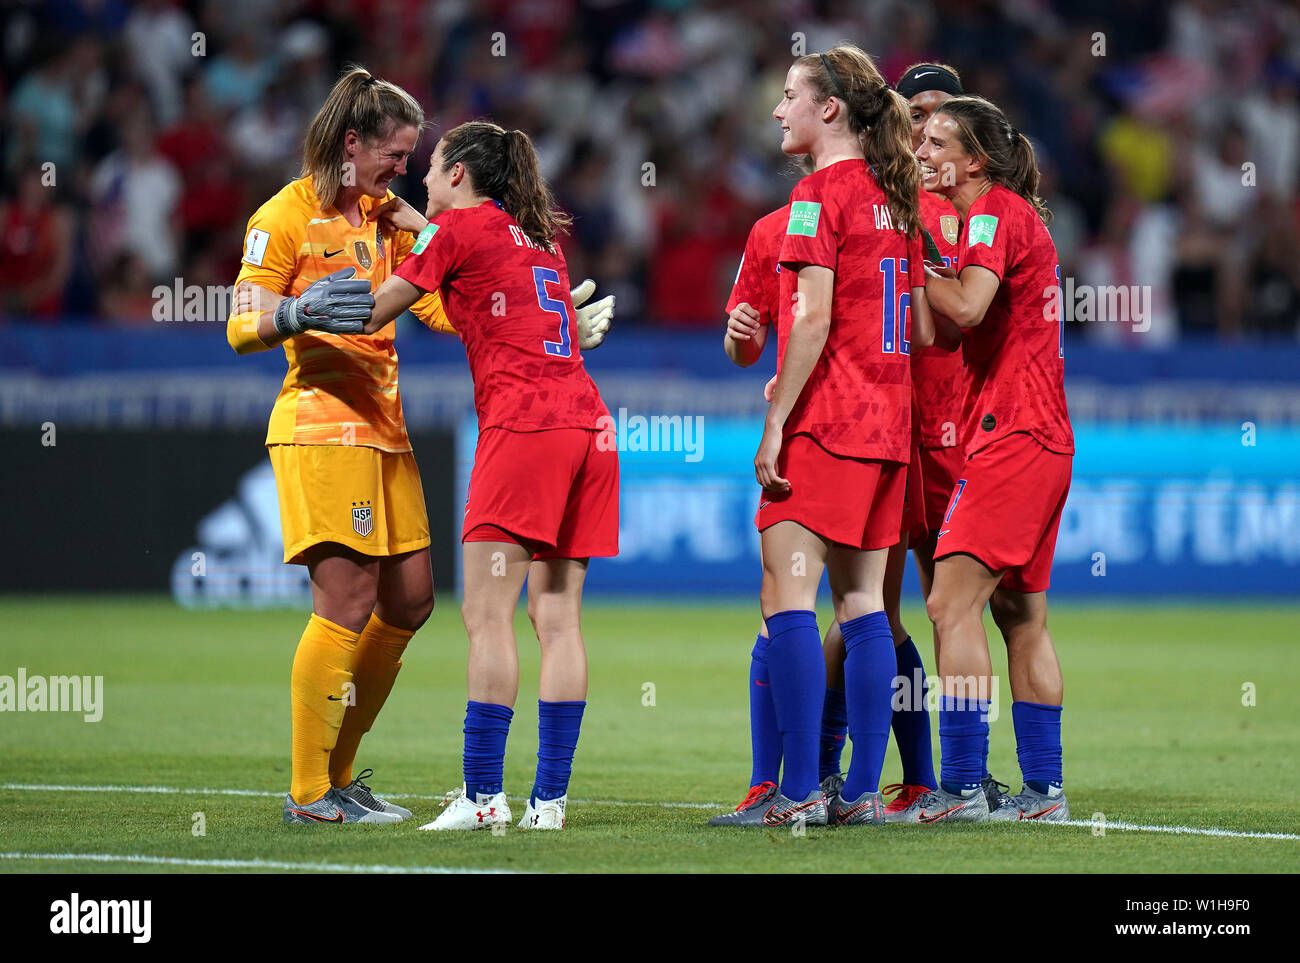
(363, 519)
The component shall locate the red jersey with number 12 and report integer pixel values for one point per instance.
(858, 400)
(510, 303)
(1016, 354)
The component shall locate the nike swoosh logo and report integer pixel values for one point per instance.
(926, 818)
(335, 698)
(788, 814)
(1050, 809)
(756, 682)
(320, 819)
(943, 533)
(855, 810)
(332, 253)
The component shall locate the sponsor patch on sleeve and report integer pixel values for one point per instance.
(804, 216)
(255, 246)
(981, 230)
(422, 239)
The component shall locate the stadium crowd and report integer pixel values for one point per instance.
(138, 137)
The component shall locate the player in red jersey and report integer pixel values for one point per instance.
(835, 443)
(755, 297)
(544, 489)
(999, 531)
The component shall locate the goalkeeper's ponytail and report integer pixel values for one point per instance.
(503, 165)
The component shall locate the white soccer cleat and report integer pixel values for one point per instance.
(549, 814)
(461, 813)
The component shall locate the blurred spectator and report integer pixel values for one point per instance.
(134, 192)
(35, 249)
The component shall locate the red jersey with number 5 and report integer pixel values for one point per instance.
(1016, 354)
(939, 376)
(511, 305)
(858, 400)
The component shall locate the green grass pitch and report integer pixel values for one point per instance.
(1155, 734)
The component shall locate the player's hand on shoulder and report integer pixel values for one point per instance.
(397, 215)
(743, 322)
(338, 303)
(593, 319)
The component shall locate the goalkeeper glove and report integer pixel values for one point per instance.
(594, 319)
(336, 304)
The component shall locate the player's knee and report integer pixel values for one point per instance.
(942, 608)
(419, 609)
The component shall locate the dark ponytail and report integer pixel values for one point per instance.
(1009, 160)
(879, 116)
(503, 165)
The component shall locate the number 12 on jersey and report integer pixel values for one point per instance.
(541, 277)
(896, 308)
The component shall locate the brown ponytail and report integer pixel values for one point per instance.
(503, 165)
(1009, 160)
(372, 107)
(879, 115)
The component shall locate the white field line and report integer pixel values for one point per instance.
(172, 790)
(269, 864)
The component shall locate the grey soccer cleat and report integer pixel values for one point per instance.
(1048, 807)
(867, 810)
(999, 800)
(334, 807)
(751, 809)
(359, 792)
(938, 805)
(809, 812)
(831, 787)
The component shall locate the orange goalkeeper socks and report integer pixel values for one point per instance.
(379, 657)
(320, 689)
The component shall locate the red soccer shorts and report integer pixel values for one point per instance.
(853, 501)
(940, 469)
(1006, 508)
(556, 490)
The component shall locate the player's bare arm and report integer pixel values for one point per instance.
(746, 335)
(393, 297)
(963, 299)
(808, 331)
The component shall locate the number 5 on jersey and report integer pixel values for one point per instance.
(541, 277)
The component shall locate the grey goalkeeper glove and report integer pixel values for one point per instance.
(336, 303)
(593, 320)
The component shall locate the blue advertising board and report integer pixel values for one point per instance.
(1203, 510)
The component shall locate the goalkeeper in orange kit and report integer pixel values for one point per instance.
(351, 503)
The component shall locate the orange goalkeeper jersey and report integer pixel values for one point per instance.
(341, 389)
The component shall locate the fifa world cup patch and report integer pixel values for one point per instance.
(981, 230)
(255, 246)
(804, 216)
(363, 519)
(422, 239)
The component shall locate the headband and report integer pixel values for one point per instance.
(925, 77)
(835, 78)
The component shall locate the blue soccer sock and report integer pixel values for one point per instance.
(794, 660)
(963, 736)
(911, 723)
(764, 733)
(835, 728)
(557, 738)
(868, 691)
(486, 728)
(1038, 744)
